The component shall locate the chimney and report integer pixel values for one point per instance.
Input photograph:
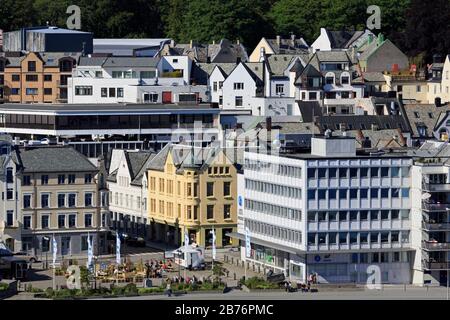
(374, 127)
(437, 102)
(238, 60)
(172, 43)
(360, 135)
(401, 137)
(370, 39)
(190, 44)
(279, 41)
(293, 40)
(262, 53)
(342, 126)
(238, 42)
(380, 38)
(214, 42)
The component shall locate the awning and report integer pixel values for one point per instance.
(265, 243)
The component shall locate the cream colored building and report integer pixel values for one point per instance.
(192, 190)
(59, 197)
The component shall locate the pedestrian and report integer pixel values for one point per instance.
(169, 289)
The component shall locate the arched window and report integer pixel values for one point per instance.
(330, 78)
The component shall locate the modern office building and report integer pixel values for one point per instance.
(333, 211)
(95, 129)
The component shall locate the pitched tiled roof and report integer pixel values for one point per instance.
(278, 63)
(55, 159)
(419, 115)
(287, 46)
(339, 39)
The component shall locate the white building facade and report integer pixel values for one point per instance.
(328, 213)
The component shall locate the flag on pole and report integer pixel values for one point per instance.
(213, 244)
(55, 250)
(117, 248)
(90, 251)
(248, 247)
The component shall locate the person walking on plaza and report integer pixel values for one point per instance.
(169, 288)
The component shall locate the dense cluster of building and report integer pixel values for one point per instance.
(333, 155)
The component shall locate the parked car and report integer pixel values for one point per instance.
(135, 242)
(26, 256)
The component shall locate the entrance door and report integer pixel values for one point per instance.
(65, 246)
(167, 97)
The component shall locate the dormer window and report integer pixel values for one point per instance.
(345, 80)
(329, 80)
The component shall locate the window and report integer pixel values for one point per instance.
(9, 218)
(374, 193)
(374, 172)
(418, 88)
(353, 193)
(44, 179)
(26, 180)
(120, 92)
(343, 193)
(343, 216)
(9, 194)
(395, 193)
(31, 77)
(374, 215)
(71, 179)
(313, 96)
(363, 193)
(61, 200)
(345, 80)
(104, 92)
(72, 220)
(88, 220)
(99, 74)
(88, 178)
(374, 237)
(311, 173)
(227, 188)
(15, 91)
(332, 193)
(48, 91)
(112, 92)
(322, 194)
(148, 74)
(332, 172)
(342, 172)
(9, 175)
(384, 214)
(385, 193)
(72, 200)
(47, 77)
(364, 237)
(61, 221)
(45, 222)
(45, 200)
(226, 211)
(238, 86)
(61, 178)
(322, 172)
(311, 239)
(332, 238)
(329, 80)
(311, 194)
(31, 91)
(210, 189)
(27, 201)
(384, 237)
(342, 238)
(353, 215)
(31, 65)
(279, 89)
(83, 90)
(332, 216)
(384, 172)
(353, 173)
(417, 115)
(27, 222)
(88, 199)
(238, 101)
(15, 77)
(353, 237)
(210, 212)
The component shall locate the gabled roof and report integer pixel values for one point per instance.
(288, 46)
(223, 52)
(309, 110)
(418, 115)
(339, 39)
(278, 63)
(55, 159)
(311, 71)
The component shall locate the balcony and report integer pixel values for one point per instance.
(436, 187)
(435, 206)
(436, 246)
(436, 265)
(436, 226)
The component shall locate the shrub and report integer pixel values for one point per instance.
(150, 290)
(259, 283)
(3, 286)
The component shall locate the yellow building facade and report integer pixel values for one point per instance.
(193, 198)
